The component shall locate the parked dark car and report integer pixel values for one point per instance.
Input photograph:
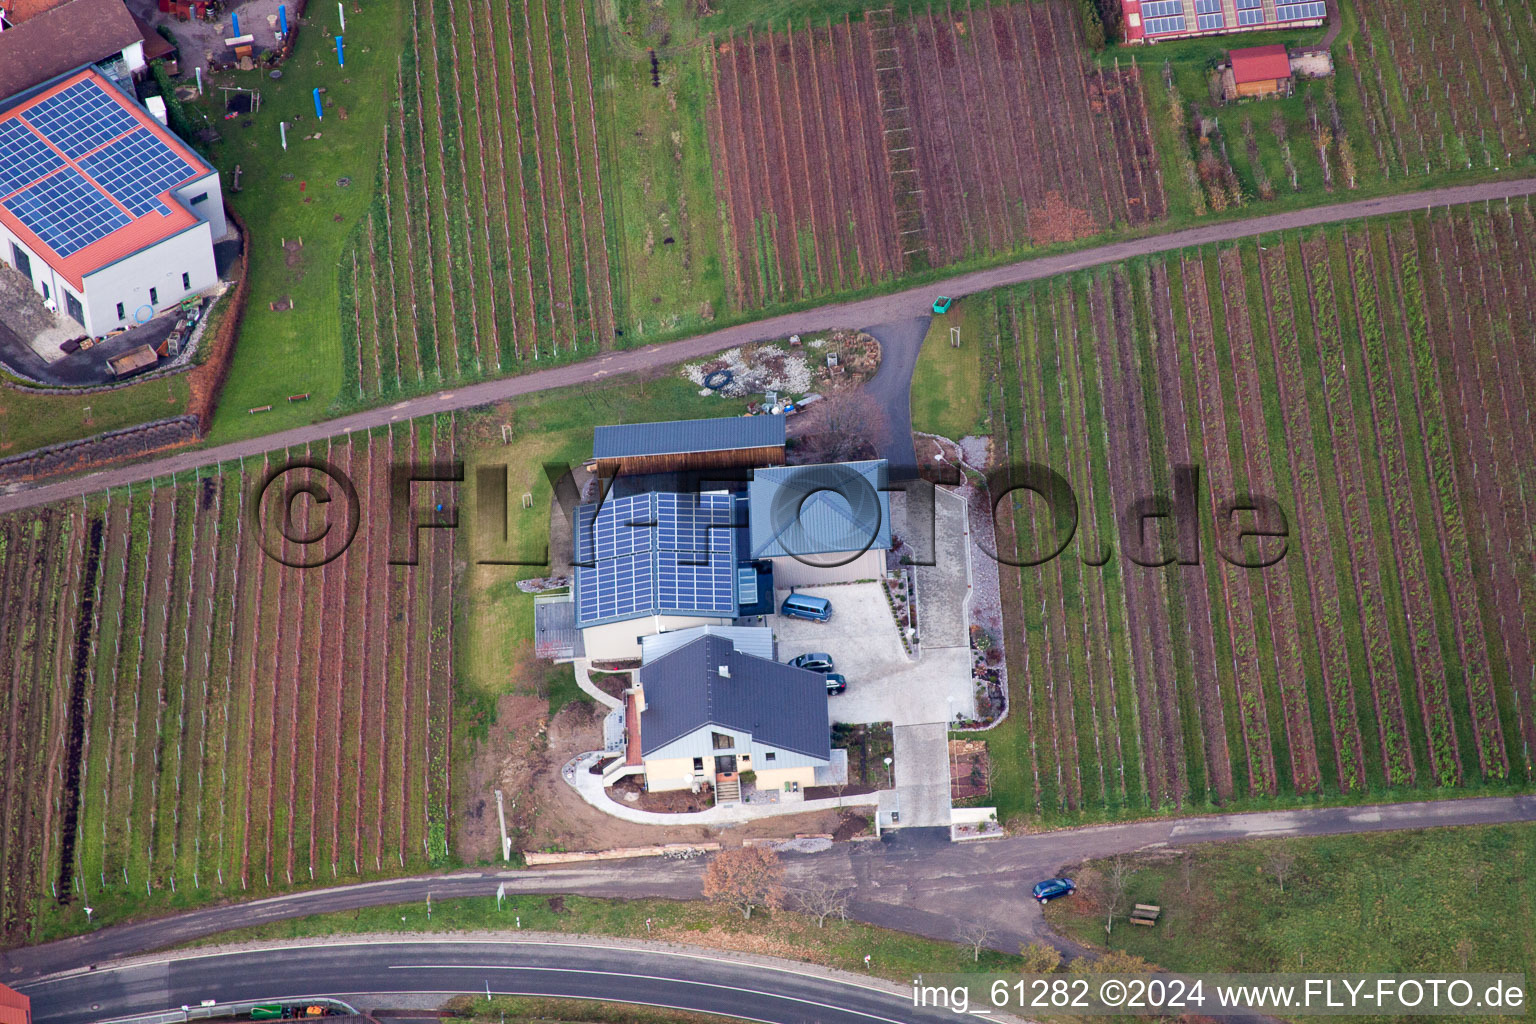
(836, 683)
(1053, 888)
(816, 661)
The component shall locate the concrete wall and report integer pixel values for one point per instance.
(792, 572)
(616, 641)
(160, 267)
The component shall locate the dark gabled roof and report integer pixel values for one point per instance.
(726, 433)
(62, 39)
(818, 510)
(779, 705)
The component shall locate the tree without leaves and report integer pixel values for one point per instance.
(1117, 883)
(1279, 862)
(745, 879)
(1038, 958)
(821, 899)
(843, 426)
(976, 935)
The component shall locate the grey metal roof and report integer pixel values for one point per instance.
(816, 510)
(725, 433)
(754, 640)
(779, 705)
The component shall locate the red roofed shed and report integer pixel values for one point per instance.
(1261, 70)
(15, 1008)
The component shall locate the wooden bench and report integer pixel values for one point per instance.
(1145, 914)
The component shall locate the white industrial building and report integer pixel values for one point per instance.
(104, 210)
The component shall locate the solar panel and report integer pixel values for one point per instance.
(80, 118)
(24, 157)
(66, 212)
(615, 588)
(1157, 26)
(136, 169)
(1300, 11)
(683, 584)
(687, 522)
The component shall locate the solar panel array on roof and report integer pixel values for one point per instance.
(80, 118)
(66, 212)
(23, 156)
(655, 553)
(136, 169)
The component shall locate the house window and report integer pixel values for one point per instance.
(769, 756)
(121, 313)
(199, 199)
(186, 282)
(154, 296)
(46, 294)
(722, 741)
(698, 764)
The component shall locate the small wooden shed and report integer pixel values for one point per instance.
(681, 445)
(1261, 71)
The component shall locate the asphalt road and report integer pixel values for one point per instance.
(390, 974)
(916, 881)
(882, 309)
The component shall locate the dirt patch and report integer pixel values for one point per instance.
(970, 771)
(282, 305)
(613, 684)
(293, 249)
(850, 826)
(632, 793)
(504, 760)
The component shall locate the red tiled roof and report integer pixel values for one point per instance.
(15, 1008)
(1261, 63)
(140, 232)
(57, 39)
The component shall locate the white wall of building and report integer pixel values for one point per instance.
(160, 267)
(792, 572)
(210, 209)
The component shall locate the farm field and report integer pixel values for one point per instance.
(1371, 380)
(188, 720)
(848, 153)
(486, 245)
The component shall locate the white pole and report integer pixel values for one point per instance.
(282, 127)
(342, 14)
(199, 70)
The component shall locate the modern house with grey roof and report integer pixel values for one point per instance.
(820, 524)
(709, 711)
(727, 442)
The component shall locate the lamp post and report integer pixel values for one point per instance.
(888, 781)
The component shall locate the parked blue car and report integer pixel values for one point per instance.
(1053, 888)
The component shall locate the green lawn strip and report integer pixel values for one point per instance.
(33, 419)
(421, 302)
(1404, 902)
(1244, 590)
(143, 853)
(1009, 745)
(443, 127)
(1072, 715)
(96, 776)
(51, 627)
(896, 956)
(475, 191)
(217, 792)
(1071, 302)
(529, 1009)
(419, 615)
(194, 637)
(1283, 580)
(300, 350)
(1394, 392)
(1309, 352)
(1031, 536)
(946, 385)
(174, 710)
(1318, 616)
(125, 657)
(28, 561)
(1377, 500)
(1054, 420)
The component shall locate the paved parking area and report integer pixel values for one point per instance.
(884, 685)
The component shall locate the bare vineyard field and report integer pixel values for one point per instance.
(849, 152)
(195, 721)
(486, 247)
(1372, 379)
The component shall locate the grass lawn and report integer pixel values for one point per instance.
(947, 394)
(520, 1009)
(293, 195)
(1406, 902)
(30, 421)
(841, 944)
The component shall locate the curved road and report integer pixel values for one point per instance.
(369, 973)
(882, 309)
(916, 881)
